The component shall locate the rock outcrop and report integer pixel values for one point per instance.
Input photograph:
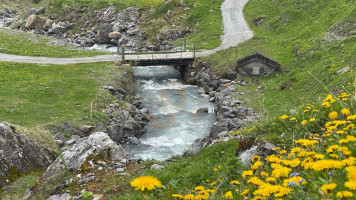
(35, 22)
(95, 144)
(19, 155)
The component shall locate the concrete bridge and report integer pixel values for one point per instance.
(160, 58)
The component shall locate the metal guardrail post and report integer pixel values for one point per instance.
(123, 52)
(194, 52)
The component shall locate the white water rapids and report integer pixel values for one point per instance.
(175, 125)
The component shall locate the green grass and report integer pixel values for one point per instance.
(287, 24)
(18, 189)
(26, 44)
(99, 4)
(205, 25)
(37, 95)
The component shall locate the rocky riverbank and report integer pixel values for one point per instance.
(84, 27)
(230, 112)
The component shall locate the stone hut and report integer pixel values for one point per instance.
(257, 65)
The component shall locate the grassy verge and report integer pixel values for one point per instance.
(205, 25)
(287, 24)
(43, 95)
(99, 4)
(18, 189)
(26, 44)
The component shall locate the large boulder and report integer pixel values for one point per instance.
(19, 155)
(95, 144)
(103, 33)
(115, 35)
(35, 22)
(59, 27)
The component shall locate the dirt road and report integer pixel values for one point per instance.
(236, 30)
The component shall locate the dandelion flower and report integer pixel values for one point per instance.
(228, 195)
(256, 158)
(247, 173)
(327, 188)
(333, 115)
(146, 182)
(178, 196)
(283, 117)
(345, 111)
(189, 197)
(199, 188)
(245, 192)
(304, 122)
(234, 182)
(344, 194)
(351, 184)
(312, 119)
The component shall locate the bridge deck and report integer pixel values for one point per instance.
(181, 58)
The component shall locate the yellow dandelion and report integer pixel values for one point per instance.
(327, 188)
(304, 122)
(234, 182)
(256, 158)
(333, 115)
(247, 173)
(351, 184)
(178, 196)
(283, 117)
(245, 192)
(312, 119)
(189, 196)
(345, 111)
(228, 195)
(344, 194)
(146, 182)
(199, 188)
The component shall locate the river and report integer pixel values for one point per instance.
(175, 125)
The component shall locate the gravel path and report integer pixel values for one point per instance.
(236, 30)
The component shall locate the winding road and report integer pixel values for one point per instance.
(236, 30)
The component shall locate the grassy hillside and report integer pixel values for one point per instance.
(39, 95)
(325, 35)
(26, 44)
(205, 24)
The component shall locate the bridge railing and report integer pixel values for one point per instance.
(176, 53)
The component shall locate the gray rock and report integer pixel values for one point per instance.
(133, 140)
(262, 150)
(101, 163)
(156, 166)
(67, 127)
(84, 129)
(343, 70)
(40, 11)
(47, 25)
(103, 33)
(64, 196)
(35, 22)
(201, 90)
(60, 136)
(19, 155)
(59, 143)
(94, 144)
(86, 179)
(124, 174)
(115, 35)
(203, 110)
(204, 96)
(59, 27)
(120, 169)
(217, 128)
(224, 81)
